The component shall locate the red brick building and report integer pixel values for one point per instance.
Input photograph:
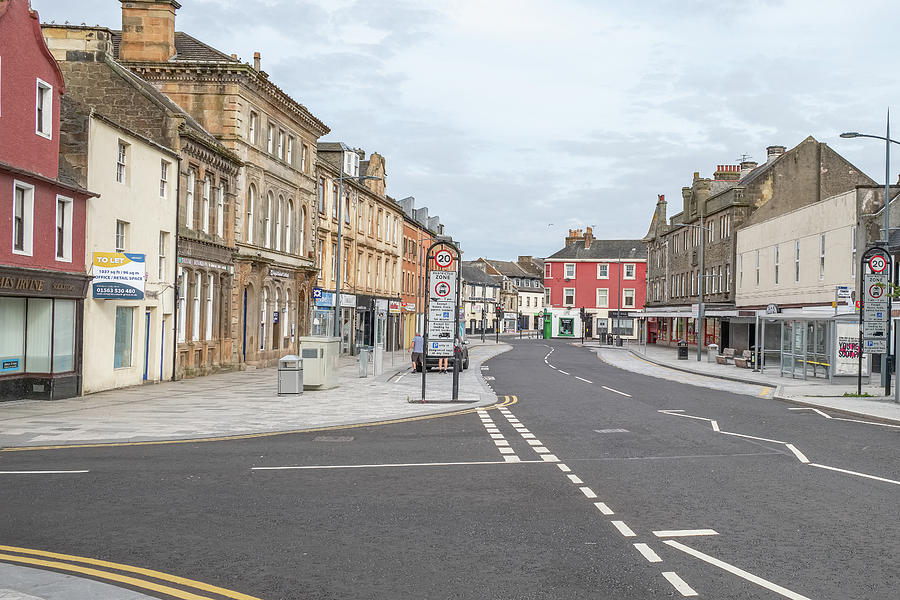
(607, 278)
(42, 278)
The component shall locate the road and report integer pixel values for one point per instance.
(591, 482)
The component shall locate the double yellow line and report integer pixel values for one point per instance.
(39, 558)
(507, 400)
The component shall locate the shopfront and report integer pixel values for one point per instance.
(40, 333)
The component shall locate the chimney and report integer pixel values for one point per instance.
(575, 235)
(256, 61)
(773, 152)
(747, 166)
(234, 56)
(661, 199)
(727, 173)
(588, 237)
(148, 30)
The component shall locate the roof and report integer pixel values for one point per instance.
(472, 274)
(511, 269)
(602, 249)
(186, 48)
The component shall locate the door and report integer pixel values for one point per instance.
(588, 327)
(162, 349)
(146, 344)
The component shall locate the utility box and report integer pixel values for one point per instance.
(711, 352)
(320, 356)
(365, 353)
(682, 350)
(290, 375)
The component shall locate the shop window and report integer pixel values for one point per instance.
(12, 342)
(124, 332)
(210, 293)
(63, 336)
(567, 327)
(195, 307)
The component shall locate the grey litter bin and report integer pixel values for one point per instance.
(711, 352)
(290, 375)
(365, 354)
(682, 350)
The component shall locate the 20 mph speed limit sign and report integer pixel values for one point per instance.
(877, 263)
(443, 259)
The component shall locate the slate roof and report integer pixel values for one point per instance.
(601, 249)
(186, 48)
(508, 268)
(472, 274)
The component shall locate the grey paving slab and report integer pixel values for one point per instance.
(26, 583)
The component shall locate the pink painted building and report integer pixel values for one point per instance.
(606, 278)
(42, 278)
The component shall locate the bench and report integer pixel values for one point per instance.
(744, 361)
(727, 354)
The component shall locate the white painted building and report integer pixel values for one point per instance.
(127, 342)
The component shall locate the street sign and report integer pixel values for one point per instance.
(440, 348)
(843, 291)
(874, 329)
(442, 286)
(875, 313)
(317, 293)
(438, 330)
(875, 346)
(443, 259)
(877, 263)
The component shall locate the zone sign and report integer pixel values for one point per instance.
(443, 259)
(877, 263)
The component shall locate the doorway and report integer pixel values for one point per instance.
(146, 345)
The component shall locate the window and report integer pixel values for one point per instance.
(210, 293)
(290, 150)
(254, 122)
(322, 195)
(777, 258)
(163, 179)
(303, 157)
(64, 228)
(334, 263)
(741, 271)
(569, 296)
(853, 251)
(23, 218)
(629, 271)
(547, 297)
(711, 234)
(124, 331)
(371, 219)
(757, 268)
(547, 270)
(319, 251)
(288, 220)
(301, 228)
(189, 199)
(796, 261)
(195, 311)
(526, 283)
(270, 139)
(378, 224)
(182, 302)
(278, 231)
(163, 244)
(43, 109)
(360, 215)
(602, 271)
(121, 162)
(263, 312)
(121, 236)
(248, 221)
(720, 289)
(822, 256)
(602, 297)
(204, 213)
(727, 278)
(347, 207)
(268, 221)
(570, 271)
(281, 144)
(628, 298)
(334, 200)
(220, 210)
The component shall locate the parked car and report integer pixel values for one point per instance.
(432, 361)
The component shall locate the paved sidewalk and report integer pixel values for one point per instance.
(27, 583)
(239, 403)
(811, 392)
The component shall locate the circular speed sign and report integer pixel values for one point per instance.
(443, 259)
(876, 291)
(877, 263)
(442, 289)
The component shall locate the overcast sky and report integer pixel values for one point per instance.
(514, 120)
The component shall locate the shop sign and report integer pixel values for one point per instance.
(282, 274)
(207, 264)
(10, 364)
(381, 304)
(408, 306)
(324, 299)
(772, 309)
(316, 293)
(348, 301)
(275, 316)
(394, 307)
(118, 276)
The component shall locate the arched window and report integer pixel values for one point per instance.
(189, 200)
(204, 212)
(278, 231)
(301, 229)
(248, 222)
(220, 210)
(288, 219)
(268, 220)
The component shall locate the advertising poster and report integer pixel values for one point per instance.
(118, 276)
(847, 351)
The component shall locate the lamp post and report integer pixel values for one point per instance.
(337, 258)
(886, 229)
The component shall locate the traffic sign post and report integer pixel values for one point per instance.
(874, 318)
(442, 309)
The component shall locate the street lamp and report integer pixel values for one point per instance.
(337, 258)
(702, 277)
(886, 230)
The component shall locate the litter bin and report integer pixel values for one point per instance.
(290, 375)
(682, 350)
(618, 340)
(711, 352)
(609, 339)
(365, 353)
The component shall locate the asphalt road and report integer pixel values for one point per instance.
(583, 488)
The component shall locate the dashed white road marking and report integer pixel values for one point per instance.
(575, 479)
(648, 553)
(512, 459)
(528, 436)
(603, 508)
(540, 449)
(667, 533)
(588, 492)
(534, 442)
(563, 372)
(678, 583)
(736, 571)
(497, 436)
(583, 379)
(501, 442)
(549, 458)
(609, 389)
(506, 451)
(623, 528)
(563, 467)
(800, 456)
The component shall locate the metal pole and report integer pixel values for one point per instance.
(885, 376)
(425, 332)
(340, 227)
(456, 341)
(700, 318)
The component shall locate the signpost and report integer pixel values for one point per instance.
(874, 318)
(442, 309)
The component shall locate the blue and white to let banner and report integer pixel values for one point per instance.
(118, 276)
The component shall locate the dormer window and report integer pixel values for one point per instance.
(44, 109)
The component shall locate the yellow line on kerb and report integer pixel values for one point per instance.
(123, 579)
(764, 392)
(508, 400)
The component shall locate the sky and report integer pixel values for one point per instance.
(516, 120)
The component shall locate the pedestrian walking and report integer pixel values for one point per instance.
(416, 348)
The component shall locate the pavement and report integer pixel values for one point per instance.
(662, 362)
(241, 403)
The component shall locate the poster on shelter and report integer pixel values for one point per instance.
(118, 276)
(847, 351)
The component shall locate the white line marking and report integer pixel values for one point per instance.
(671, 410)
(679, 584)
(609, 389)
(435, 464)
(715, 425)
(497, 436)
(800, 456)
(563, 467)
(736, 571)
(583, 379)
(501, 442)
(563, 372)
(588, 492)
(492, 430)
(506, 451)
(528, 436)
(401, 377)
(549, 458)
(865, 422)
(751, 437)
(551, 366)
(41, 472)
(534, 442)
(540, 449)
(858, 474)
(623, 528)
(648, 553)
(512, 459)
(815, 410)
(575, 479)
(603, 508)
(667, 533)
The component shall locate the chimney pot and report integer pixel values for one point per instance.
(773, 152)
(148, 30)
(256, 60)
